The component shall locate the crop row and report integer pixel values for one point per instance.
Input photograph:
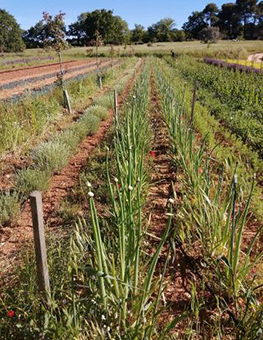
(24, 82)
(25, 60)
(51, 156)
(232, 66)
(22, 119)
(229, 149)
(104, 266)
(236, 99)
(211, 221)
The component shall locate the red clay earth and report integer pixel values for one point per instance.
(14, 237)
(35, 71)
(15, 160)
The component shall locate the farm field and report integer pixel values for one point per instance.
(224, 49)
(152, 196)
(14, 83)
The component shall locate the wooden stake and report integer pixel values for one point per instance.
(193, 102)
(100, 83)
(116, 104)
(40, 244)
(67, 100)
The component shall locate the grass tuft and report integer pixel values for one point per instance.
(51, 156)
(31, 179)
(9, 207)
(99, 111)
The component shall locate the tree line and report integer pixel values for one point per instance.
(242, 19)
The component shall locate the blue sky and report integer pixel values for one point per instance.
(145, 12)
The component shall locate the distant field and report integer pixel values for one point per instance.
(240, 48)
(227, 49)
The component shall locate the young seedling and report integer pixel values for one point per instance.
(56, 39)
(98, 42)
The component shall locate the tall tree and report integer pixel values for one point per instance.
(138, 34)
(162, 30)
(259, 15)
(36, 35)
(211, 14)
(113, 29)
(229, 21)
(10, 33)
(196, 22)
(247, 11)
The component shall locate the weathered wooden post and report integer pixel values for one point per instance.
(116, 105)
(40, 244)
(100, 82)
(67, 100)
(193, 102)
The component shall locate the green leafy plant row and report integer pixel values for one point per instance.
(235, 98)
(212, 219)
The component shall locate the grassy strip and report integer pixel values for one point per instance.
(211, 221)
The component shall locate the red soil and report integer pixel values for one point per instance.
(61, 185)
(27, 73)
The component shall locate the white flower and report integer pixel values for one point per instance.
(90, 193)
(130, 187)
(171, 200)
(133, 96)
(116, 180)
(88, 184)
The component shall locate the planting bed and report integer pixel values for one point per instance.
(12, 237)
(14, 83)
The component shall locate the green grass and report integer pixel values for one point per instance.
(49, 157)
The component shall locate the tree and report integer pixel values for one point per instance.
(113, 29)
(247, 11)
(229, 21)
(36, 35)
(56, 40)
(178, 35)
(210, 14)
(209, 35)
(138, 34)
(259, 16)
(194, 25)
(10, 33)
(162, 30)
